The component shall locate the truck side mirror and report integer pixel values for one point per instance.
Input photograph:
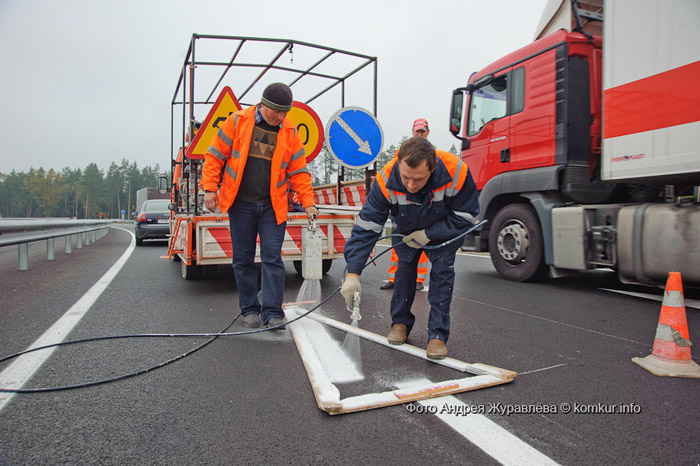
(163, 184)
(456, 111)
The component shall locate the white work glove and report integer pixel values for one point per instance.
(417, 239)
(351, 284)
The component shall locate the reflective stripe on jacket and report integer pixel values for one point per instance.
(448, 208)
(226, 158)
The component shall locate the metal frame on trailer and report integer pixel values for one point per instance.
(190, 64)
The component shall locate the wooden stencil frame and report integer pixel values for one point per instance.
(328, 396)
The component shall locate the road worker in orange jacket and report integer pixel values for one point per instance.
(420, 130)
(258, 155)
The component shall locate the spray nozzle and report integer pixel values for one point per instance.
(312, 222)
(355, 311)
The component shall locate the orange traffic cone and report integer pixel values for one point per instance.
(670, 356)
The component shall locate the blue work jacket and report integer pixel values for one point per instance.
(445, 207)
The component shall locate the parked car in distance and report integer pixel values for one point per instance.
(153, 220)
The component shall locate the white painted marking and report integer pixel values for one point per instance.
(542, 369)
(335, 361)
(688, 302)
(480, 255)
(494, 440)
(324, 390)
(17, 374)
(550, 320)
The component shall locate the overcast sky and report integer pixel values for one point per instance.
(87, 81)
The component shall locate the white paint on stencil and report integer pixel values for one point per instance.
(336, 363)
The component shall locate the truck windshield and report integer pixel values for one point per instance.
(487, 103)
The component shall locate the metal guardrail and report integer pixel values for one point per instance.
(22, 231)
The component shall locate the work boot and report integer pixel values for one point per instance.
(252, 320)
(387, 286)
(419, 286)
(274, 322)
(397, 336)
(436, 349)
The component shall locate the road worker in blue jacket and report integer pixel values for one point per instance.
(431, 198)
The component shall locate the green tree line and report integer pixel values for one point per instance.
(90, 192)
(75, 193)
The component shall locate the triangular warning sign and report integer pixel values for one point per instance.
(225, 105)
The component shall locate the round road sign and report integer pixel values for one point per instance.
(354, 137)
(310, 128)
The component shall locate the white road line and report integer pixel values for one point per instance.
(688, 302)
(494, 440)
(481, 255)
(17, 374)
(542, 369)
(551, 321)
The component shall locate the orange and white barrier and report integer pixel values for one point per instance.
(670, 356)
(349, 195)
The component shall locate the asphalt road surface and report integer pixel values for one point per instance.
(577, 400)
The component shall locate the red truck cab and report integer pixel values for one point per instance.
(534, 108)
(532, 129)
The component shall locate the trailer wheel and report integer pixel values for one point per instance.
(189, 272)
(515, 244)
(325, 266)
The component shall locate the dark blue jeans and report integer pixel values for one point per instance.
(442, 277)
(247, 221)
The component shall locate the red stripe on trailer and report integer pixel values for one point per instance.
(348, 196)
(660, 101)
(223, 238)
(295, 234)
(338, 240)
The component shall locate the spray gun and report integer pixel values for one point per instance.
(355, 311)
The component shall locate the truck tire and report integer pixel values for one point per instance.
(325, 266)
(189, 272)
(515, 244)
(139, 241)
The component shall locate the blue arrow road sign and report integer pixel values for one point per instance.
(354, 137)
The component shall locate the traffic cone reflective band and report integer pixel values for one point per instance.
(670, 356)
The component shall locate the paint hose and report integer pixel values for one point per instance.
(212, 336)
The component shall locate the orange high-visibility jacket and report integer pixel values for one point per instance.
(229, 152)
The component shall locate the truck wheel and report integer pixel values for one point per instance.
(139, 241)
(515, 244)
(325, 266)
(189, 272)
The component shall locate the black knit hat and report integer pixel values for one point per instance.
(277, 96)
